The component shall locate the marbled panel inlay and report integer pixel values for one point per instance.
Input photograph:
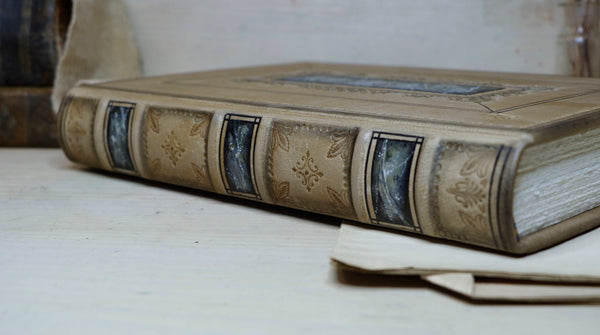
(405, 85)
(117, 134)
(237, 147)
(392, 164)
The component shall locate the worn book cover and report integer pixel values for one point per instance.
(27, 118)
(32, 35)
(503, 161)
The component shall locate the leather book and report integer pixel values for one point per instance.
(27, 118)
(32, 35)
(503, 161)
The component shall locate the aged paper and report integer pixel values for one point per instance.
(567, 272)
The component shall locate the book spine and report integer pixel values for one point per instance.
(414, 176)
(31, 35)
(26, 117)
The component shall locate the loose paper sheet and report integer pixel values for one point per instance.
(567, 272)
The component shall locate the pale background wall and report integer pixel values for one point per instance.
(507, 35)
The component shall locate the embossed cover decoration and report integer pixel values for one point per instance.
(78, 133)
(174, 146)
(465, 206)
(427, 151)
(308, 167)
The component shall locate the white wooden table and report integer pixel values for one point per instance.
(85, 252)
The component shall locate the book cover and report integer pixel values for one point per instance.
(27, 118)
(32, 34)
(503, 161)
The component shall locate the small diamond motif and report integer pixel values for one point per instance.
(173, 148)
(307, 171)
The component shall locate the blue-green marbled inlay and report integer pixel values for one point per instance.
(117, 134)
(405, 85)
(390, 176)
(237, 149)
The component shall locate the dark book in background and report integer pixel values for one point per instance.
(26, 117)
(32, 33)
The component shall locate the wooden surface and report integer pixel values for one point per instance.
(94, 253)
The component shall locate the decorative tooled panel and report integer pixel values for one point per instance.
(175, 146)
(463, 186)
(308, 167)
(78, 133)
